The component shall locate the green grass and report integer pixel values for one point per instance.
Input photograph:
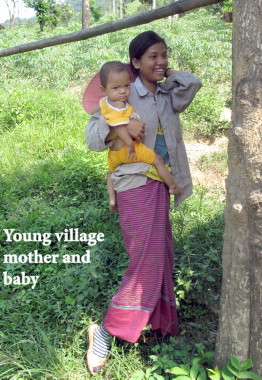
(50, 182)
(216, 162)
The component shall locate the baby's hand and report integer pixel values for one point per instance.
(131, 152)
(135, 116)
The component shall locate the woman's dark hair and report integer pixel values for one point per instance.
(141, 43)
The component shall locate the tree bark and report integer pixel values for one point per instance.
(11, 5)
(85, 14)
(177, 7)
(12, 20)
(121, 8)
(240, 327)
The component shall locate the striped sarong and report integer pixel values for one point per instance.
(146, 294)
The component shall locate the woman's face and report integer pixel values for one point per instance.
(152, 65)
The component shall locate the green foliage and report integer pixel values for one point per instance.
(233, 370)
(224, 6)
(171, 353)
(198, 225)
(46, 12)
(134, 7)
(185, 372)
(216, 162)
(205, 111)
(95, 11)
(227, 6)
(65, 12)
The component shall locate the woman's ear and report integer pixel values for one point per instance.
(136, 63)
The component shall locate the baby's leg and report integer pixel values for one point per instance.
(166, 176)
(123, 134)
(111, 193)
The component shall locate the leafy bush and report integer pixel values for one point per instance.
(216, 162)
(233, 370)
(202, 118)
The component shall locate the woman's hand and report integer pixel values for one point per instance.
(170, 71)
(136, 129)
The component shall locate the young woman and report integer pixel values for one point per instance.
(146, 295)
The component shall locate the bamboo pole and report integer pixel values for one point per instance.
(180, 6)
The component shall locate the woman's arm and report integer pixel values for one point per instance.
(99, 135)
(96, 133)
(95, 109)
(136, 129)
(183, 87)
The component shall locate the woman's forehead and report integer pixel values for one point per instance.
(159, 47)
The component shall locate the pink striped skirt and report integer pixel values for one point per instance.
(146, 295)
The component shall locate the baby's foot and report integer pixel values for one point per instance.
(176, 190)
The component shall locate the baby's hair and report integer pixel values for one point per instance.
(113, 66)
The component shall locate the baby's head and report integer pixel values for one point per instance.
(115, 80)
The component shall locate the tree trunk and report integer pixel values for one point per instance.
(153, 4)
(85, 14)
(12, 21)
(11, 6)
(121, 8)
(240, 323)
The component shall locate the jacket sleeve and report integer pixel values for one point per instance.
(183, 87)
(96, 132)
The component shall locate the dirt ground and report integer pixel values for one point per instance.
(205, 177)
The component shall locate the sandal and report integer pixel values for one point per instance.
(95, 364)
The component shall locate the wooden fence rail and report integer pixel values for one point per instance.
(180, 6)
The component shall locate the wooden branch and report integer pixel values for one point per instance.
(180, 6)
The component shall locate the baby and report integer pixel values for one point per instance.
(115, 83)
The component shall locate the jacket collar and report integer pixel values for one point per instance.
(142, 90)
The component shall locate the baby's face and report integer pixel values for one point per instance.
(118, 86)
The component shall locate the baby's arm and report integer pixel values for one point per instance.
(95, 109)
(123, 134)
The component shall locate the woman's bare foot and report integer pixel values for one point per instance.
(95, 364)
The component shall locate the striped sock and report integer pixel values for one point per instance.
(101, 342)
